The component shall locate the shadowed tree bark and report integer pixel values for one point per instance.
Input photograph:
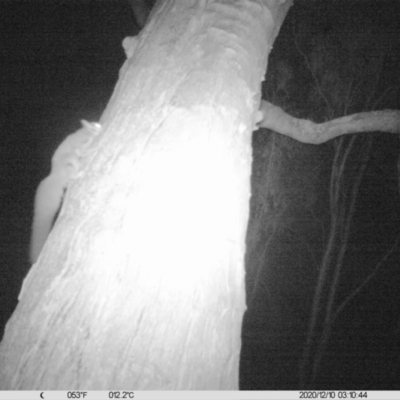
(141, 10)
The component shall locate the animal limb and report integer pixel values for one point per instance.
(65, 166)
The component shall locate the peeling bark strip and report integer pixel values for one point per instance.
(142, 284)
(306, 131)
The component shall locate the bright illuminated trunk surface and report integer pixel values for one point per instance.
(141, 283)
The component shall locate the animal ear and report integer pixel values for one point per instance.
(129, 44)
(91, 126)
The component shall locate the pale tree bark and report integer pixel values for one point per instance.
(140, 284)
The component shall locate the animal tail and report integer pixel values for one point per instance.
(48, 199)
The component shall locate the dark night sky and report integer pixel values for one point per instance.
(59, 63)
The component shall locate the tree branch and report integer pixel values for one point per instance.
(306, 131)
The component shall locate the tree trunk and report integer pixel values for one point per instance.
(140, 284)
